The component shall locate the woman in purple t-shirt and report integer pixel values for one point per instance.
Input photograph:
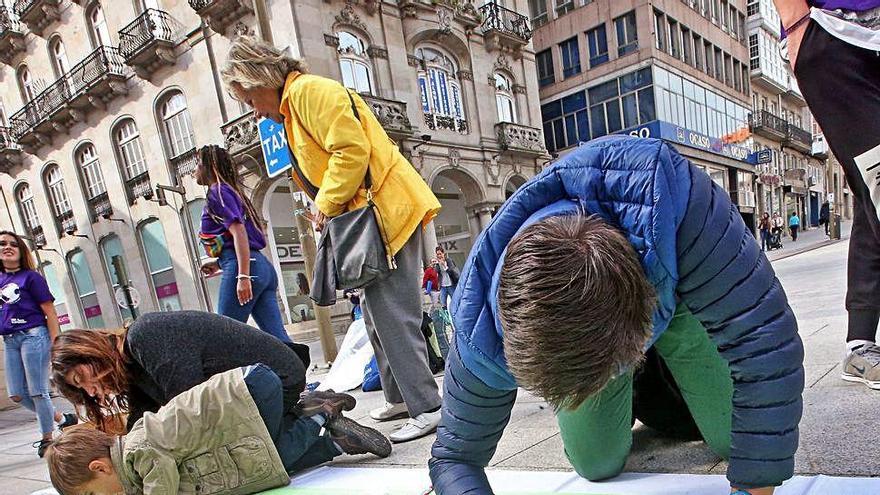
(231, 233)
(29, 325)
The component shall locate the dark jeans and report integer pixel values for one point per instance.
(264, 305)
(765, 239)
(794, 232)
(297, 440)
(841, 83)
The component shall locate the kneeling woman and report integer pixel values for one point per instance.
(160, 355)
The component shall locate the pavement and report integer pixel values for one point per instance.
(838, 431)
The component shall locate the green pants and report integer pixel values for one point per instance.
(598, 434)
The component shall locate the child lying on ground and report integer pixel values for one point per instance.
(228, 435)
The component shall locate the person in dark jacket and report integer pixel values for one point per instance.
(825, 216)
(620, 247)
(764, 227)
(160, 355)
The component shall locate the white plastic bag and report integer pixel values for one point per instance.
(348, 369)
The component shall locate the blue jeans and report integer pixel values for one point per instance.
(446, 292)
(297, 440)
(765, 239)
(27, 373)
(263, 306)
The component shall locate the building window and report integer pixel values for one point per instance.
(90, 167)
(177, 125)
(58, 56)
(719, 64)
(26, 84)
(152, 238)
(627, 34)
(660, 35)
(564, 6)
(754, 52)
(98, 26)
(538, 12)
(699, 57)
(571, 57)
(85, 289)
(27, 208)
(59, 200)
(130, 154)
(674, 38)
(440, 90)
(687, 48)
(354, 63)
(57, 292)
(597, 40)
(110, 247)
(504, 99)
(546, 73)
(709, 51)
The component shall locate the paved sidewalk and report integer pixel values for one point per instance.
(807, 241)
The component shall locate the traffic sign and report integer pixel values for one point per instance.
(132, 292)
(276, 152)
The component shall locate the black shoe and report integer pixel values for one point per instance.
(41, 447)
(354, 438)
(327, 402)
(68, 419)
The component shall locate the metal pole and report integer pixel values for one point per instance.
(309, 250)
(123, 282)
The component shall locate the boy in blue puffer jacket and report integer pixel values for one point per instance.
(618, 249)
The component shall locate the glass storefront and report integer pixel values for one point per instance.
(452, 224)
(288, 252)
(57, 291)
(213, 283)
(85, 288)
(160, 266)
(110, 247)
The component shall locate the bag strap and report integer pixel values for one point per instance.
(368, 181)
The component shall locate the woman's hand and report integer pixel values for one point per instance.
(245, 291)
(319, 220)
(210, 268)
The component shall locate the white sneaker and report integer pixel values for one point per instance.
(417, 427)
(390, 411)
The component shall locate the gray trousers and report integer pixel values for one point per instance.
(393, 316)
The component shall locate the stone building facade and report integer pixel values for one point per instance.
(99, 105)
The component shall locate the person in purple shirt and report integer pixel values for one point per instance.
(29, 326)
(834, 49)
(231, 233)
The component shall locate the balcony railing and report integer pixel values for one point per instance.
(10, 151)
(38, 14)
(799, 139)
(11, 35)
(768, 125)
(66, 222)
(464, 11)
(100, 206)
(184, 164)
(148, 42)
(38, 235)
(219, 14)
(391, 114)
(241, 135)
(139, 186)
(448, 122)
(520, 138)
(504, 28)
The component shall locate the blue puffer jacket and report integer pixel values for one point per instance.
(694, 248)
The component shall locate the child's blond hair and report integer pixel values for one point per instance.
(70, 454)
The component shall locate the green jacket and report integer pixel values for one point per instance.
(207, 440)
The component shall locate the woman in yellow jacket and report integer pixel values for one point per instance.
(333, 149)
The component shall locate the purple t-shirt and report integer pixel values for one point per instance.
(21, 294)
(225, 208)
(853, 5)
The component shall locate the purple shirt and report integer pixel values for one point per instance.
(21, 294)
(853, 5)
(225, 208)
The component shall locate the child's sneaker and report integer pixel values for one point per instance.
(863, 366)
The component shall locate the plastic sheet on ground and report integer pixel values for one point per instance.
(347, 372)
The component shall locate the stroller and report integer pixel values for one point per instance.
(775, 241)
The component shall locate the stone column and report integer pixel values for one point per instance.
(429, 241)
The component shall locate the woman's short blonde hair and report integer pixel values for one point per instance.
(253, 63)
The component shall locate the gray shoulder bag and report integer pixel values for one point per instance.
(352, 252)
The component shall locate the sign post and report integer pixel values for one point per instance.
(122, 281)
(277, 159)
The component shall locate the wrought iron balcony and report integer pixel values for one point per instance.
(219, 14)
(798, 139)
(38, 14)
(768, 125)
(148, 42)
(448, 122)
(37, 234)
(100, 206)
(11, 35)
(241, 136)
(66, 222)
(463, 11)
(139, 186)
(89, 84)
(520, 139)
(10, 151)
(184, 164)
(504, 29)
(391, 114)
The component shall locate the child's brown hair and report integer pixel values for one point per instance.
(70, 454)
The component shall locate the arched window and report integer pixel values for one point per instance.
(57, 291)
(130, 154)
(354, 63)
(196, 207)
(176, 124)
(26, 84)
(504, 99)
(98, 26)
(90, 167)
(152, 238)
(58, 56)
(59, 200)
(85, 289)
(28, 210)
(440, 90)
(110, 247)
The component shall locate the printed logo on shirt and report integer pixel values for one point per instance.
(10, 293)
(17, 321)
(869, 165)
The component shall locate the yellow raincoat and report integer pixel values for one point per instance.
(333, 150)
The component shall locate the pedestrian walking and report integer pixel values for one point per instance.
(431, 282)
(449, 274)
(563, 296)
(764, 228)
(336, 141)
(825, 216)
(834, 48)
(29, 325)
(794, 224)
(231, 232)
(139, 369)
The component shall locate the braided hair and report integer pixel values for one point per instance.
(218, 160)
